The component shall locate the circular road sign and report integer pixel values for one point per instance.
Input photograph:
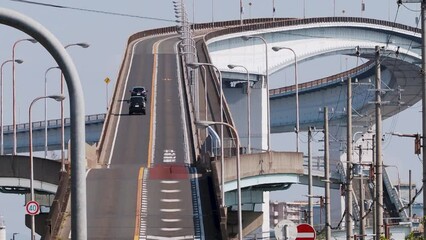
(285, 229)
(32, 208)
(305, 232)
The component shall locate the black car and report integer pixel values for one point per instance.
(138, 91)
(137, 104)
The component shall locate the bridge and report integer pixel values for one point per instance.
(146, 157)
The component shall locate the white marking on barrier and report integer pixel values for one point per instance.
(305, 235)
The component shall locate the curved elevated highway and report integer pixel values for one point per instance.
(315, 38)
(15, 174)
(312, 39)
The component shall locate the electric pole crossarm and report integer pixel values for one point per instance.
(409, 1)
(404, 134)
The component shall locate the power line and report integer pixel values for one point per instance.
(92, 10)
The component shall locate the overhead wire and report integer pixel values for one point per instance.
(409, 9)
(91, 10)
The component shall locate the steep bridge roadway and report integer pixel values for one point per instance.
(143, 193)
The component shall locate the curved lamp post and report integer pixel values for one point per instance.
(18, 61)
(14, 90)
(45, 109)
(237, 146)
(232, 66)
(245, 38)
(57, 98)
(276, 49)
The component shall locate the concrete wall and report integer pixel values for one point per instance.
(262, 164)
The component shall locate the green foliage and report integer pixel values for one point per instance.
(412, 236)
(320, 236)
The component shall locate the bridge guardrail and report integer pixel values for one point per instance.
(326, 80)
(58, 208)
(55, 123)
(294, 22)
(227, 116)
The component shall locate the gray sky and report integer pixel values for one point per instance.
(107, 34)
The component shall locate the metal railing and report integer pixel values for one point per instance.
(55, 123)
(337, 78)
(294, 22)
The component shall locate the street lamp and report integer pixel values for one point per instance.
(13, 236)
(245, 38)
(276, 49)
(222, 160)
(19, 61)
(241, 12)
(45, 109)
(83, 45)
(232, 66)
(273, 10)
(14, 90)
(183, 47)
(57, 98)
(237, 146)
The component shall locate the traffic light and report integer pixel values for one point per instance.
(417, 144)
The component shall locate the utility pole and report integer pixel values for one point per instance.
(327, 178)
(423, 15)
(349, 222)
(362, 196)
(379, 163)
(410, 206)
(241, 12)
(311, 217)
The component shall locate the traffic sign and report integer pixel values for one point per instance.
(285, 229)
(305, 232)
(32, 208)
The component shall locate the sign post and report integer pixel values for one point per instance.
(107, 80)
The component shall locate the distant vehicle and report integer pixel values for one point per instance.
(138, 91)
(137, 104)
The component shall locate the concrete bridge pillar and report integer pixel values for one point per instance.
(236, 97)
